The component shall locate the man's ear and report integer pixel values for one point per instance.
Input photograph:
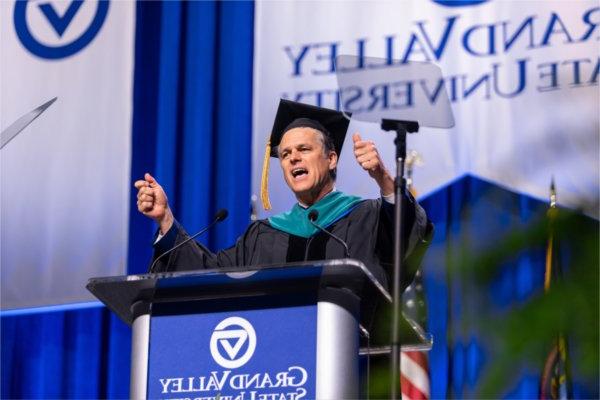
(333, 159)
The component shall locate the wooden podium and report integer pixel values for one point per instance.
(266, 332)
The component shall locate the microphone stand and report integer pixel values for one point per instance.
(312, 217)
(219, 216)
(401, 128)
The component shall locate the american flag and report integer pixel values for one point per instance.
(414, 375)
(414, 365)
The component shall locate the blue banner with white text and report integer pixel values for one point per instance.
(243, 355)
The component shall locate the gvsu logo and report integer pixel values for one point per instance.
(459, 3)
(233, 335)
(58, 29)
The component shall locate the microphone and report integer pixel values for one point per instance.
(219, 216)
(312, 217)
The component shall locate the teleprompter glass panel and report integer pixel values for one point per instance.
(372, 89)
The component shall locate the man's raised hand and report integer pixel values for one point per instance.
(368, 158)
(152, 202)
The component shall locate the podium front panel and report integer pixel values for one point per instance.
(249, 353)
(262, 332)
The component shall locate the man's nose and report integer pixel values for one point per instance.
(295, 155)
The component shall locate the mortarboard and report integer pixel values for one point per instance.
(290, 115)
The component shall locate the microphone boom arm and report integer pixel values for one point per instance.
(219, 216)
(312, 217)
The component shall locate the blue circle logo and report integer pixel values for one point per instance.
(50, 22)
(459, 3)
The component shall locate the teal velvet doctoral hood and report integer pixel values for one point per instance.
(331, 208)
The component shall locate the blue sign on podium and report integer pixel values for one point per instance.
(256, 354)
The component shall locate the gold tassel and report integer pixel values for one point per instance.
(548, 273)
(264, 182)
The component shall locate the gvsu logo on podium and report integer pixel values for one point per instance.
(58, 29)
(233, 342)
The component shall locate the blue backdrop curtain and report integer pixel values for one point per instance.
(469, 215)
(192, 130)
(192, 117)
(472, 216)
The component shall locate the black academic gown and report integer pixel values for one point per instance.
(367, 230)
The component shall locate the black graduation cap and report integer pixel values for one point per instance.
(290, 115)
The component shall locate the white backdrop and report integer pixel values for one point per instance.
(522, 77)
(65, 178)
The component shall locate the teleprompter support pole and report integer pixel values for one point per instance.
(401, 128)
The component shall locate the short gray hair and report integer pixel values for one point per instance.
(327, 147)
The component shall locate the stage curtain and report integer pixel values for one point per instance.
(472, 216)
(192, 117)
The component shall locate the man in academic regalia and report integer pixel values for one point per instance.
(307, 140)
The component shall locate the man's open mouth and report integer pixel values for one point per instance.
(296, 172)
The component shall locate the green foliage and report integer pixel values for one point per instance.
(524, 333)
